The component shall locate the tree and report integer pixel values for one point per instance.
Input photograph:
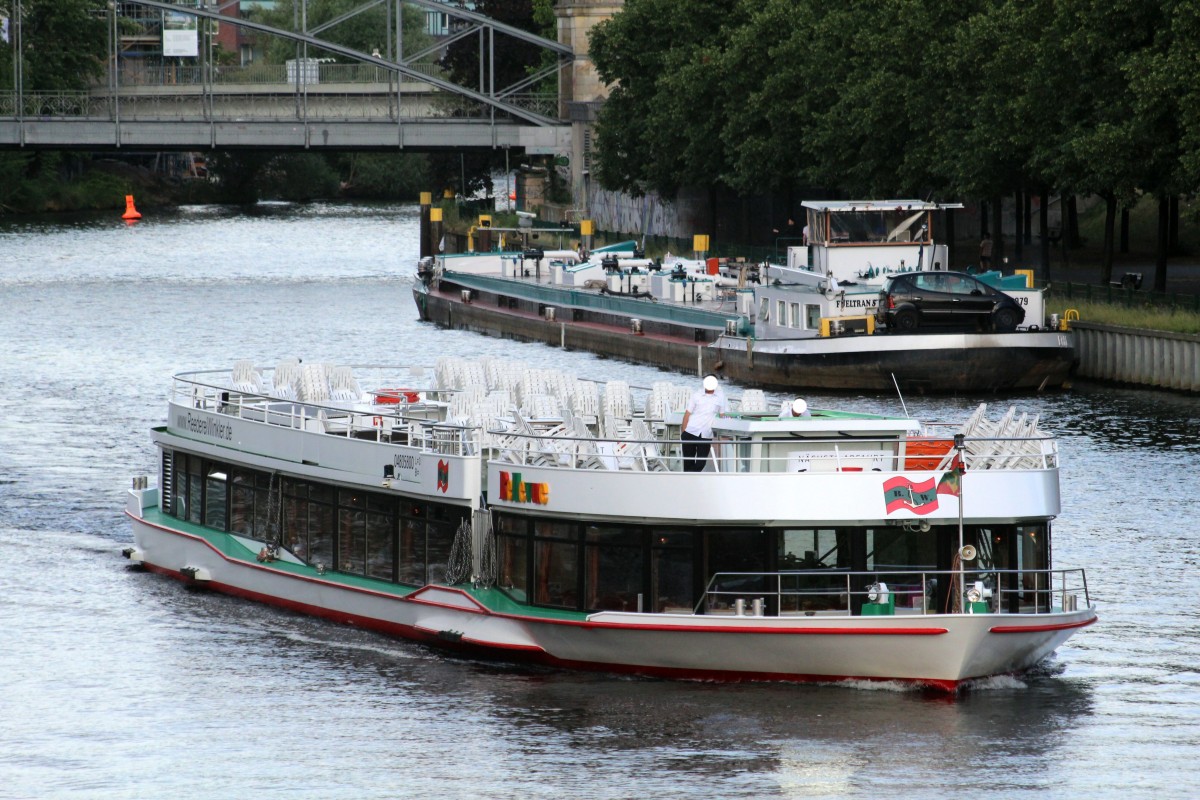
(512, 58)
(65, 45)
(660, 127)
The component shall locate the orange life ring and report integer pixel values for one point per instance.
(377, 421)
(394, 396)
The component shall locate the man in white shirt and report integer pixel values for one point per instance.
(703, 407)
(796, 408)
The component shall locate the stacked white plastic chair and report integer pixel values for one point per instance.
(285, 379)
(447, 372)
(541, 407)
(313, 386)
(246, 378)
(753, 400)
(585, 401)
(343, 386)
(618, 400)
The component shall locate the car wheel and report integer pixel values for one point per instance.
(1005, 319)
(907, 320)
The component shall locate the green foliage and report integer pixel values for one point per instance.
(978, 98)
(237, 174)
(513, 59)
(1144, 317)
(65, 44)
(383, 176)
(300, 177)
(659, 128)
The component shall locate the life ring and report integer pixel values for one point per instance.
(394, 396)
(377, 421)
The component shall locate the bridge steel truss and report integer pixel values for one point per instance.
(414, 110)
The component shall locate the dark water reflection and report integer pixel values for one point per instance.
(122, 684)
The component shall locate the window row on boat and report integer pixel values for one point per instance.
(589, 565)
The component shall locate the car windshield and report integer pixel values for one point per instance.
(950, 282)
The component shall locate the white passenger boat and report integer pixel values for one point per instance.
(809, 323)
(517, 513)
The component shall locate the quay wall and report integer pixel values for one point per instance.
(1157, 359)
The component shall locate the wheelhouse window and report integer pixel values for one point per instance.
(900, 225)
(812, 316)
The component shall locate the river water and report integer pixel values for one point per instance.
(116, 683)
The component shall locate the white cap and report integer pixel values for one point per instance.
(799, 407)
(710, 383)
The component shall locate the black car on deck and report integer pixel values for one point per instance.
(916, 300)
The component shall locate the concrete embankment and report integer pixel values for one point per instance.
(1131, 355)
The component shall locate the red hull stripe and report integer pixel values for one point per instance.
(810, 631)
(415, 597)
(1062, 626)
(531, 655)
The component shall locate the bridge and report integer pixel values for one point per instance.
(367, 101)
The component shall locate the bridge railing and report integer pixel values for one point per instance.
(143, 74)
(226, 105)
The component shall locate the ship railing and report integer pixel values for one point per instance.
(835, 592)
(415, 425)
(571, 450)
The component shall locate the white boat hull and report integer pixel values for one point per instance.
(935, 649)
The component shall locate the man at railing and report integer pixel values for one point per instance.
(703, 407)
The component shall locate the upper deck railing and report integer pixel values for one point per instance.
(381, 416)
(423, 419)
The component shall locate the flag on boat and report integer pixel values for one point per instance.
(951, 483)
(442, 244)
(901, 493)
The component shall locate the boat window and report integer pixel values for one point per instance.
(794, 319)
(1019, 554)
(735, 553)
(216, 495)
(320, 532)
(440, 528)
(188, 484)
(613, 568)
(412, 550)
(513, 544)
(380, 549)
(878, 226)
(352, 540)
(179, 496)
(307, 527)
(901, 548)
(671, 574)
(812, 317)
(556, 571)
(814, 548)
(247, 505)
(781, 313)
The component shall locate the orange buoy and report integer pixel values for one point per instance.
(130, 211)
